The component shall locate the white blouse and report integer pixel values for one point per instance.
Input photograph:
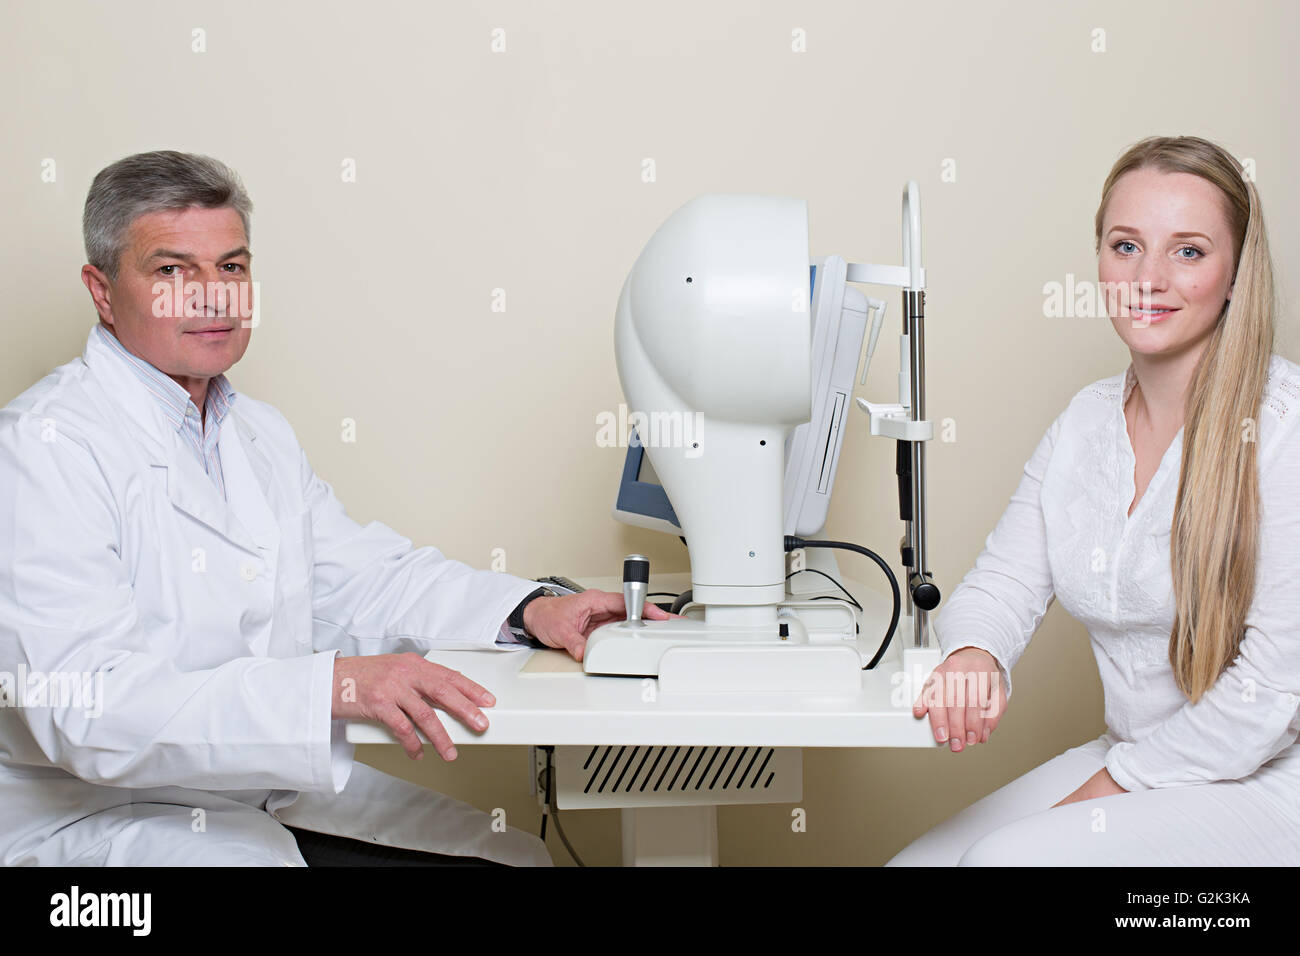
(1067, 536)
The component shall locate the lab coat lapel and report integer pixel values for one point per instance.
(188, 485)
(192, 491)
(249, 488)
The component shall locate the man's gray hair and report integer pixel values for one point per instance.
(154, 182)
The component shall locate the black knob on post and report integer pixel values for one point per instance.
(636, 582)
(925, 593)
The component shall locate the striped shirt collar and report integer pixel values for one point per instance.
(174, 400)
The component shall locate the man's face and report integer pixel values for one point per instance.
(183, 296)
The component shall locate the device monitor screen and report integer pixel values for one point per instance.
(642, 500)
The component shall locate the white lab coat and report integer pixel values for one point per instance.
(204, 632)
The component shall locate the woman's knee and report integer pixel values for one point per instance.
(935, 847)
(1015, 844)
(1068, 835)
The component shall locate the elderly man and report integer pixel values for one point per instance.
(187, 614)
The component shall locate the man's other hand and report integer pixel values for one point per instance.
(401, 691)
(567, 621)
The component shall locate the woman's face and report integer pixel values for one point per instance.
(1165, 245)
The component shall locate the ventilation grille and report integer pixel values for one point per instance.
(664, 770)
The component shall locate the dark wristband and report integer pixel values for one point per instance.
(516, 618)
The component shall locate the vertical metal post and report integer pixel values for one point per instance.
(914, 310)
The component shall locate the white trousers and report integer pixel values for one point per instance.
(1254, 821)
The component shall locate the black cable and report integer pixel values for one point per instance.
(686, 596)
(543, 781)
(793, 543)
(857, 628)
(554, 810)
(833, 581)
(661, 594)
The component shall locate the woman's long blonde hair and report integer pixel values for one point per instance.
(1215, 534)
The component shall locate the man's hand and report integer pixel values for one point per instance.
(1100, 784)
(401, 690)
(567, 621)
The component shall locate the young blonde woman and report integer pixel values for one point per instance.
(1162, 509)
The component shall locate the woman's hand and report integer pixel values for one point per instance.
(1100, 784)
(964, 697)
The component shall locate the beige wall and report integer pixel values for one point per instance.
(522, 170)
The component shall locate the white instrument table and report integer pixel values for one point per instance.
(551, 701)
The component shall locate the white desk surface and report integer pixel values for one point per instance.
(568, 707)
